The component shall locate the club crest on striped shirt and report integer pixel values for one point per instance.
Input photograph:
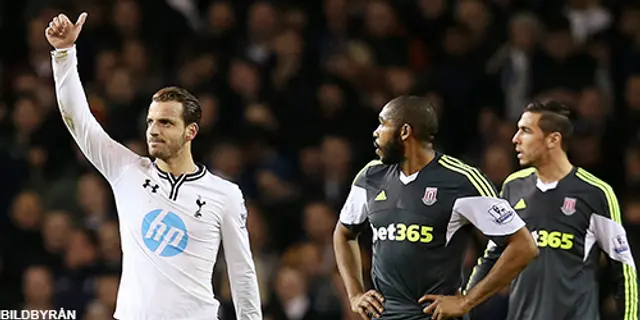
(430, 196)
(569, 206)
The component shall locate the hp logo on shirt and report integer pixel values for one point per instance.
(164, 233)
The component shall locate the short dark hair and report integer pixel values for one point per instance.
(191, 111)
(554, 117)
(418, 113)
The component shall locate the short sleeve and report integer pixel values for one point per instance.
(494, 217)
(354, 214)
(354, 211)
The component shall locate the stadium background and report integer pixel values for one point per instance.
(290, 92)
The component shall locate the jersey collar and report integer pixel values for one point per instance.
(199, 173)
(544, 187)
(408, 179)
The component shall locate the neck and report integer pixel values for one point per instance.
(181, 163)
(418, 157)
(554, 169)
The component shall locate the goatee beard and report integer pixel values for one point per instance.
(394, 152)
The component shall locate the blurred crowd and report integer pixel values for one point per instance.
(290, 92)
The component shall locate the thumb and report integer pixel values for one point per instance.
(81, 19)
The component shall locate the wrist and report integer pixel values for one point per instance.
(63, 49)
(467, 304)
(354, 294)
(353, 287)
(60, 54)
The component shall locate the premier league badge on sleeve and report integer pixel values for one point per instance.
(501, 213)
(620, 244)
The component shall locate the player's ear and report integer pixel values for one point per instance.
(554, 139)
(192, 131)
(405, 131)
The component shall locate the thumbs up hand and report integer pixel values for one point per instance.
(62, 33)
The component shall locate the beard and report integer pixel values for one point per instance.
(393, 151)
(167, 150)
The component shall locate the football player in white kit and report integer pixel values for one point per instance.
(173, 213)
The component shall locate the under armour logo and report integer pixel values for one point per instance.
(147, 184)
(200, 203)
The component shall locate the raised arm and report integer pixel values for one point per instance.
(240, 266)
(108, 156)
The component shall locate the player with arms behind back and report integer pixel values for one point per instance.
(173, 213)
(573, 216)
(422, 206)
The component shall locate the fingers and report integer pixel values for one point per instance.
(378, 296)
(370, 309)
(376, 302)
(54, 26)
(431, 308)
(437, 315)
(363, 314)
(371, 304)
(64, 20)
(428, 297)
(57, 25)
(61, 23)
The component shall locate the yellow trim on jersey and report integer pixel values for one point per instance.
(381, 196)
(481, 184)
(474, 176)
(521, 204)
(630, 276)
(517, 175)
(370, 164)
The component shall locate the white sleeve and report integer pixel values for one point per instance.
(108, 156)
(354, 211)
(612, 239)
(492, 216)
(240, 266)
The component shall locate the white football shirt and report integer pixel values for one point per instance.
(171, 227)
